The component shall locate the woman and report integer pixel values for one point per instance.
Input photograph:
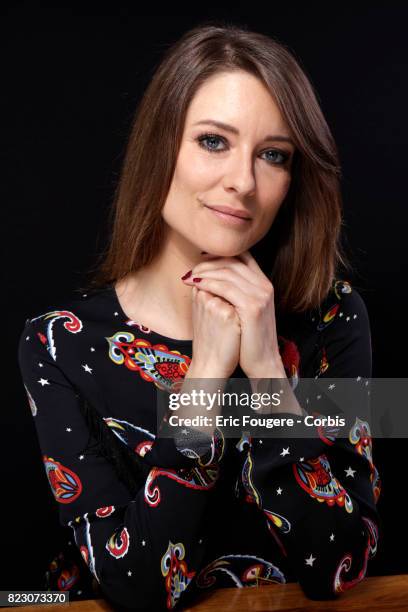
(223, 261)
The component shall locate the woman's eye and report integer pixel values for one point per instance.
(209, 138)
(284, 156)
(209, 143)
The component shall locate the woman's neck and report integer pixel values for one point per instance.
(156, 296)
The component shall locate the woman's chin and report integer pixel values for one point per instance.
(221, 251)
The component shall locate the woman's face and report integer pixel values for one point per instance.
(245, 167)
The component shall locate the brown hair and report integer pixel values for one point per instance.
(301, 253)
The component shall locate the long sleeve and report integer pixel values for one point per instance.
(319, 495)
(143, 550)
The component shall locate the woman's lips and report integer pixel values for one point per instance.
(229, 219)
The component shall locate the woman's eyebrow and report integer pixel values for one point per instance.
(234, 130)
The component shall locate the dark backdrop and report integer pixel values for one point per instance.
(71, 82)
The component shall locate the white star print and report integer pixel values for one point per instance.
(129, 573)
(302, 459)
(79, 592)
(331, 386)
(40, 365)
(68, 429)
(116, 314)
(358, 378)
(260, 442)
(279, 491)
(340, 314)
(28, 337)
(350, 472)
(354, 316)
(81, 457)
(332, 537)
(310, 560)
(200, 541)
(184, 431)
(87, 368)
(318, 396)
(84, 295)
(43, 381)
(143, 543)
(285, 451)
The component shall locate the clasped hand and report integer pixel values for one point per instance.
(241, 282)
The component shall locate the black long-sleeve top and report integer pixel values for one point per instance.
(250, 511)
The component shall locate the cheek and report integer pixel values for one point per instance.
(278, 187)
(192, 172)
(285, 185)
(273, 199)
(281, 191)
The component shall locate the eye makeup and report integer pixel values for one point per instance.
(208, 137)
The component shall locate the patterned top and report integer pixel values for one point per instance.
(249, 512)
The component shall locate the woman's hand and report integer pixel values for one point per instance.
(240, 282)
(216, 342)
(216, 336)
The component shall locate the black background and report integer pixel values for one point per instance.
(71, 81)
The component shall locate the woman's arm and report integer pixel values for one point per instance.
(319, 495)
(145, 549)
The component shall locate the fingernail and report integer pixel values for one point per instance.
(196, 279)
(187, 274)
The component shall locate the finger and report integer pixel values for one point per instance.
(224, 273)
(196, 291)
(231, 263)
(204, 293)
(250, 261)
(230, 275)
(227, 290)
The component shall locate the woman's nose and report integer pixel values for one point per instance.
(241, 175)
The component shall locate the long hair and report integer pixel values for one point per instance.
(302, 252)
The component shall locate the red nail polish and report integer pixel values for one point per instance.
(197, 279)
(186, 275)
